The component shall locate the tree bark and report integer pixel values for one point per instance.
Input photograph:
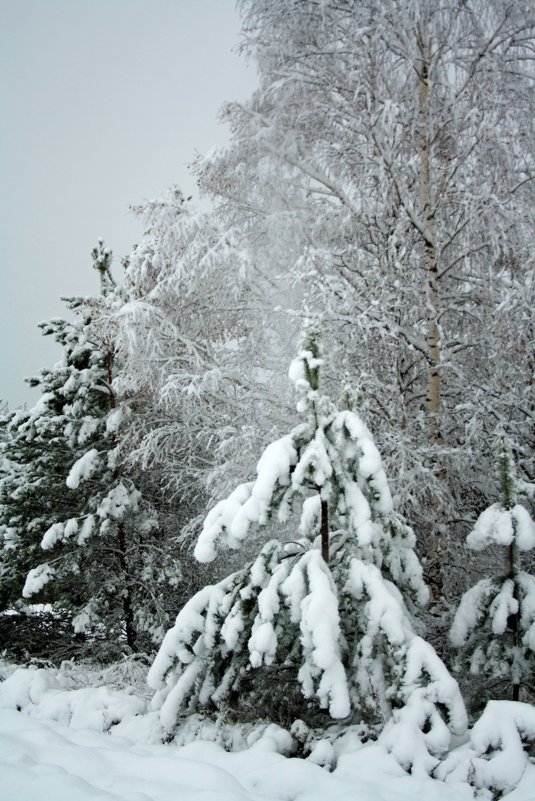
(324, 528)
(433, 393)
(128, 613)
(127, 600)
(513, 623)
(433, 381)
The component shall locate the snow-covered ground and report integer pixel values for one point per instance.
(55, 748)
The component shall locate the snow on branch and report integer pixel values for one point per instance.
(499, 526)
(419, 732)
(495, 757)
(36, 579)
(249, 504)
(83, 468)
(59, 532)
(320, 636)
(497, 739)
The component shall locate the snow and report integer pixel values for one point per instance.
(297, 372)
(51, 763)
(64, 743)
(114, 420)
(262, 644)
(499, 731)
(263, 641)
(249, 503)
(527, 617)
(218, 520)
(52, 535)
(360, 516)
(384, 610)
(499, 526)
(59, 531)
(503, 606)
(88, 527)
(494, 757)
(84, 619)
(314, 463)
(37, 578)
(189, 621)
(370, 468)
(320, 633)
(419, 733)
(525, 528)
(82, 468)
(310, 515)
(493, 601)
(118, 502)
(273, 469)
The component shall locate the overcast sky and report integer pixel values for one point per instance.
(104, 103)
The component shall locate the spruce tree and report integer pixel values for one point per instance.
(326, 606)
(495, 622)
(32, 488)
(70, 495)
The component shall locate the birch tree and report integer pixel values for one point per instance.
(199, 346)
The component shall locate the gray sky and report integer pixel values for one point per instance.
(104, 103)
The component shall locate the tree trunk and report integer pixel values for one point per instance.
(433, 388)
(431, 266)
(128, 613)
(127, 601)
(513, 622)
(324, 528)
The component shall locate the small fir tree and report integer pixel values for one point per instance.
(329, 608)
(495, 622)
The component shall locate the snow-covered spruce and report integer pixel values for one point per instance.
(326, 612)
(68, 492)
(495, 622)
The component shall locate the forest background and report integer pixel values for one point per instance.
(377, 191)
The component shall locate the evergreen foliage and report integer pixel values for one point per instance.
(69, 493)
(327, 610)
(495, 622)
